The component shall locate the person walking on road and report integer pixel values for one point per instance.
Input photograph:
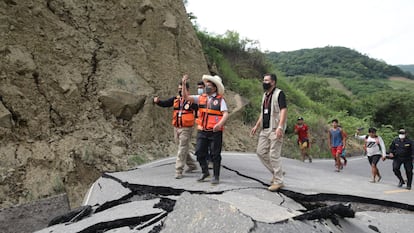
(200, 90)
(343, 154)
(402, 152)
(212, 116)
(272, 124)
(336, 142)
(301, 129)
(183, 122)
(375, 150)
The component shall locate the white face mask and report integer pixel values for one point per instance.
(401, 136)
(200, 91)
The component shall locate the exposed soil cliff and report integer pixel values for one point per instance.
(76, 84)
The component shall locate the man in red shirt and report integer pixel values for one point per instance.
(301, 129)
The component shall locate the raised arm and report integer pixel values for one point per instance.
(184, 92)
(357, 136)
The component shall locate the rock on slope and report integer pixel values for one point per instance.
(76, 84)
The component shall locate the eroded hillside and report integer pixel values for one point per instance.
(76, 85)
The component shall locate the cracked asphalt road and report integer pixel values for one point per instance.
(314, 199)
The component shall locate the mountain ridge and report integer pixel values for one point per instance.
(334, 61)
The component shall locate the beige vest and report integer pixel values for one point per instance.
(275, 113)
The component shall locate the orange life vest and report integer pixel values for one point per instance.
(209, 113)
(183, 114)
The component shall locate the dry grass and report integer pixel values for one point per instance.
(335, 83)
(401, 79)
(400, 83)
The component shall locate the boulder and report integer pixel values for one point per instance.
(122, 104)
(5, 117)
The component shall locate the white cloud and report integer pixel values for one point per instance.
(382, 29)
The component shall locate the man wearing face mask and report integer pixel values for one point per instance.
(201, 90)
(183, 122)
(272, 124)
(212, 116)
(402, 152)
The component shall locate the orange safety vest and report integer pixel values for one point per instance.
(183, 115)
(209, 113)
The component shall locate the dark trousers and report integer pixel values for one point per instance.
(214, 141)
(408, 166)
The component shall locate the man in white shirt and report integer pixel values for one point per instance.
(375, 149)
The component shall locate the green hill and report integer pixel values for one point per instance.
(333, 62)
(344, 80)
(320, 85)
(407, 68)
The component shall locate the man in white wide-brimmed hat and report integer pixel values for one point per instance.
(212, 116)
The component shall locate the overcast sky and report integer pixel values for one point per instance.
(381, 29)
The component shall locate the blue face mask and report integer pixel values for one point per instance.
(200, 91)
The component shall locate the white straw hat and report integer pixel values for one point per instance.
(217, 81)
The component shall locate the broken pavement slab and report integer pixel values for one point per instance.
(125, 214)
(258, 209)
(242, 203)
(105, 190)
(197, 213)
(371, 221)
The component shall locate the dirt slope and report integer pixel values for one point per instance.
(76, 84)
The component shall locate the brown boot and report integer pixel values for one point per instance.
(275, 187)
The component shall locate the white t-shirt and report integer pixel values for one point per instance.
(372, 146)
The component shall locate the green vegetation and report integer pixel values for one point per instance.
(378, 93)
(58, 185)
(135, 160)
(334, 61)
(407, 68)
(399, 83)
(239, 63)
(320, 84)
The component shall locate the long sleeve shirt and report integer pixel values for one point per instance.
(402, 148)
(170, 102)
(373, 146)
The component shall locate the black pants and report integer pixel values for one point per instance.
(408, 166)
(214, 141)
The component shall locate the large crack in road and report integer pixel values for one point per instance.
(317, 206)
